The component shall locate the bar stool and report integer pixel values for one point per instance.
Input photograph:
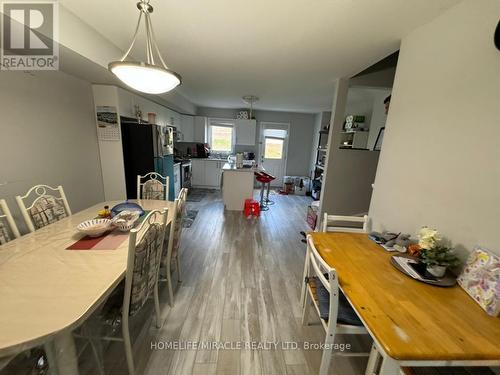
(268, 188)
(264, 180)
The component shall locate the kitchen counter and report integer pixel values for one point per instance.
(237, 186)
(232, 167)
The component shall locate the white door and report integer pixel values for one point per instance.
(273, 149)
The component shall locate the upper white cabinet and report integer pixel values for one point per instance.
(187, 128)
(200, 129)
(245, 132)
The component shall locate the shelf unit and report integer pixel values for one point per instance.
(354, 139)
(319, 165)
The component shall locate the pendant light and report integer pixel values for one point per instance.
(148, 77)
(250, 99)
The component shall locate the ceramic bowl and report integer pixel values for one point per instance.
(95, 227)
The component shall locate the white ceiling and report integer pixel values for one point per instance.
(287, 52)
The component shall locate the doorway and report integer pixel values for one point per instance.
(273, 149)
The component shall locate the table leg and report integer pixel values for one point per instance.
(65, 351)
(50, 352)
(373, 361)
(389, 367)
(303, 290)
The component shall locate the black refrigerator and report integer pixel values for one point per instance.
(145, 147)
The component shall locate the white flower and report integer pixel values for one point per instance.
(428, 238)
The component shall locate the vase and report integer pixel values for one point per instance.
(437, 271)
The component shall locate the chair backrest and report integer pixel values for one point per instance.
(152, 186)
(144, 251)
(331, 284)
(176, 228)
(7, 222)
(45, 208)
(336, 223)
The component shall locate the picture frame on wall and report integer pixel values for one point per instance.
(380, 138)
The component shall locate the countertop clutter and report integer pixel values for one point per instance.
(248, 166)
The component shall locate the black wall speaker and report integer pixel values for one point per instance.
(497, 36)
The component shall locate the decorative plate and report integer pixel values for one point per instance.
(95, 227)
(126, 206)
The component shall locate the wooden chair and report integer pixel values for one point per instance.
(352, 224)
(141, 281)
(7, 222)
(340, 319)
(45, 208)
(152, 186)
(172, 242)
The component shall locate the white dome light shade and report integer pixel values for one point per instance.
(151, 79)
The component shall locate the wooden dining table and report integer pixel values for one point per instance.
(46, 291)
(412, 323)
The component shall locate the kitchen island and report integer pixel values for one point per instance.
(237, 186)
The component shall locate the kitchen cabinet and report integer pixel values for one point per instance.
(213, 170)
(200, 129)
(187, 128)
(197, 172)
(245, 132)
(206, 172)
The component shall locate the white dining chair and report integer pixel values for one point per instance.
(351, 224)
(152, 186)
(45, 208)
(141, 282)
(7, 224)
(334, 310)
(172, 243)
(336, 223)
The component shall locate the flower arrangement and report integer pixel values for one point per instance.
(434, 253)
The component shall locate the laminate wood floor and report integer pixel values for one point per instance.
(241, 282)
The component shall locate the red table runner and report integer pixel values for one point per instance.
(109, 241)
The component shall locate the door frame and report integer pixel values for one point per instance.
(269, 124)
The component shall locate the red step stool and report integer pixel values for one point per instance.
(252, 208)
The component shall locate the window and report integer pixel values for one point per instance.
(273, 148)
(221, 136)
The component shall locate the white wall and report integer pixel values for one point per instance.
(300, 139)
(439, 164)
(48, 136)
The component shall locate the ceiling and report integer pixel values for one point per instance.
(287, 52)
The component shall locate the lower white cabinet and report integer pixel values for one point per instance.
(206, 173)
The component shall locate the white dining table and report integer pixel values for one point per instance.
(47, 291)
